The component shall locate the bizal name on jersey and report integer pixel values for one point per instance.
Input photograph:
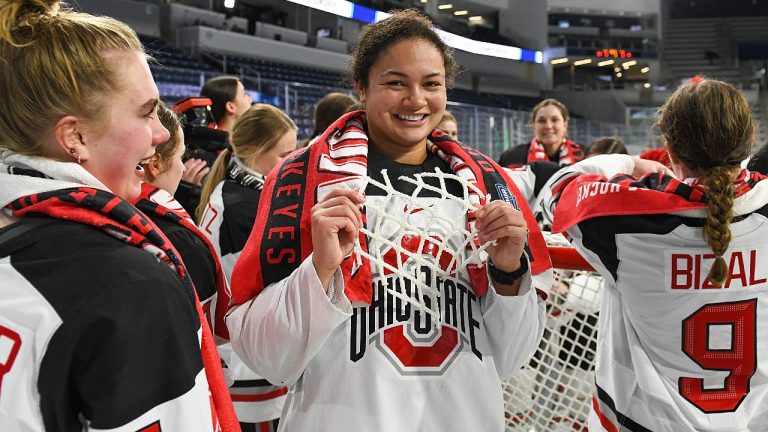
(689, 271)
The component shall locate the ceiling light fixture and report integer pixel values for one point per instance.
(461, 12)
(560, 60)
(606, 63)
(476, 18)
(445, 6)
(645, 69)
(582, 62)
(629, 64)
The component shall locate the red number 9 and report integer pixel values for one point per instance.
(740, 360)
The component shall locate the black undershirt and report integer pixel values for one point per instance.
(378, 162)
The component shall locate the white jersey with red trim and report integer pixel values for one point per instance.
(101, 337)
(676, 353)
(386, 366)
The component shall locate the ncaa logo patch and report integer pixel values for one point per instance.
(506, 195)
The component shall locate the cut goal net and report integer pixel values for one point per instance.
(553, 392)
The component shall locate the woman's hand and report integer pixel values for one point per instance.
(336, 221)
(499, 221)
(194, 171)
(647, 166)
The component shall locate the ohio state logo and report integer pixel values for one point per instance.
(403, 333)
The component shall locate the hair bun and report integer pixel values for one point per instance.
(46, 7)
(17, 14)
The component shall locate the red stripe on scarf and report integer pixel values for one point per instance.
(569, 152)
(281, 238)
(118, 218)
(592, 195)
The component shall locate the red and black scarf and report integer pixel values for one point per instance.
(281, 238)
(592, 195)
(154, 200)
(118, 218)
(569, 152)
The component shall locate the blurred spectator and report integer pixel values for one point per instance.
(230, 100)
(449, 125)
(549, 121)
(606, 145)
(328, 109)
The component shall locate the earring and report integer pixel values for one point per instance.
(75, 155)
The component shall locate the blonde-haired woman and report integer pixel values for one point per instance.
(98, 334)
(260, 138)
(681, 327)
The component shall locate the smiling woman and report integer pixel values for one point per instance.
(340, 329)
(101, 310)
(549, 121)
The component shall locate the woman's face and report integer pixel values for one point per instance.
(264, 163)
(129, 130)
(550, 126)
(449, 127)
(171, 169)
(242, 101)
(405, 99)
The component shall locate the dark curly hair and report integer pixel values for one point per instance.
(403, 25)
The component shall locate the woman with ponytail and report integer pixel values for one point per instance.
(100, 327)
(683, 253)
(260, 138)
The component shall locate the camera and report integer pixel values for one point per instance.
(202, 138)
(203, 141)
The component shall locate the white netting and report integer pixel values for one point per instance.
(442, 256)
(553, 392)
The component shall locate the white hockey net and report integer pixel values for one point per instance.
(435, 237)
(553, 392)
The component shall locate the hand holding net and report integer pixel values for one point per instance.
(394, 240)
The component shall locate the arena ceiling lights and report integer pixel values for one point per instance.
(346, 9)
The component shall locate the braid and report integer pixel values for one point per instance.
(716, 227)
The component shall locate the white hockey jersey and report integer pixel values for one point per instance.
(386, 366)
(675, 353)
